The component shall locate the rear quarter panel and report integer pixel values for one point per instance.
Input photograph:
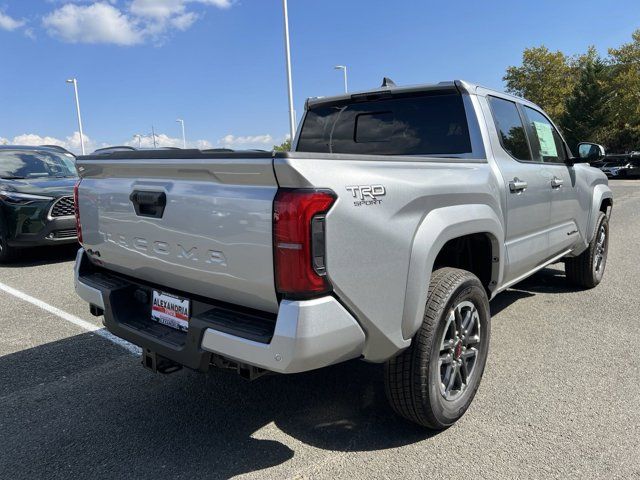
(370, 247)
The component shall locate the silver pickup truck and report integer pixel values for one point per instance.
(398, 214)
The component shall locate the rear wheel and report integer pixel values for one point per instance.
(434, 381)
(587, 269)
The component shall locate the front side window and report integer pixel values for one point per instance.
(434, 124)
(34, 164)
(546, 140)
(510, 128)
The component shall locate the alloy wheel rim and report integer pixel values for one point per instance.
(459, 349)
(601, 251)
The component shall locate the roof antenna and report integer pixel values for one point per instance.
(387, 82)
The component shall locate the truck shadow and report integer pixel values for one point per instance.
(549, 280)
(36, 256)
(81, 407)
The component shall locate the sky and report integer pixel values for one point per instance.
(219, 64)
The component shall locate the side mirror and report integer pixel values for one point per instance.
(590, 152)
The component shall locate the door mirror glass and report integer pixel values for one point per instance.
(590, 152)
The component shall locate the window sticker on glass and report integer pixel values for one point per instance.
(545, 137)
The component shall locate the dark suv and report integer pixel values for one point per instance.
(629, 169)
(36, 198)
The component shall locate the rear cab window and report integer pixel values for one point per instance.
(432, 123)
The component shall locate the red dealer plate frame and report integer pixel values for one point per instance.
(171, 310)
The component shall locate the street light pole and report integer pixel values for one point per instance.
(75, 88)
(153, 134)
(344, 71)
(184, 138)
(287, 49)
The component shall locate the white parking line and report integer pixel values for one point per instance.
(89, 327)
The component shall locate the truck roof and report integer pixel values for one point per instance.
(454, 85)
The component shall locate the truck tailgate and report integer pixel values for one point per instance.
(201, 225)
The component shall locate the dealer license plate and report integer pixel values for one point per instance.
(170, 310)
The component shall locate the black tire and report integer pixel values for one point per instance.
(587, 269)
(413, 379)
(6, 252)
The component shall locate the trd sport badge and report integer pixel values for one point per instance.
(367, 194)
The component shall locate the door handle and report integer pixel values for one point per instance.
(556, 182)
(516, 185)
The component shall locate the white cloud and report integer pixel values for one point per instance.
(184, 21)
(71, 143)
(34, 140)
(228, 141)
(157, 9)
(10, 24)
(247, 142)
(96, 23)
(216, 3)
(163, 140)
(133, 23)
(167, 8)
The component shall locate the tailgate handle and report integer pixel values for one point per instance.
(148, 204)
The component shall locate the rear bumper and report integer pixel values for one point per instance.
(308, 335)
(305, 335)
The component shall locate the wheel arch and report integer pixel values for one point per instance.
(440, 229)
(602, 202)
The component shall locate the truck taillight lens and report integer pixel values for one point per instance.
(299, 231)
(76, 208)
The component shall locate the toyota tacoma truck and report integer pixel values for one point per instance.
(398, 214)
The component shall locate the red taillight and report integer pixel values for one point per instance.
(298, 224)
(76, 208)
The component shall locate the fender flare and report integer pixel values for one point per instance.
(435, 230)
(600, 192)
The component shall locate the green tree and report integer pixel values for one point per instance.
(283, 147)
(545, 78)
(624, 128)
(592, 98)
(588, 109)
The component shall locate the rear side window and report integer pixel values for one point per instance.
(546, 140)
(510, 128)
(433, 124)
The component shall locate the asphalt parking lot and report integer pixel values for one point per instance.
(559, 399)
